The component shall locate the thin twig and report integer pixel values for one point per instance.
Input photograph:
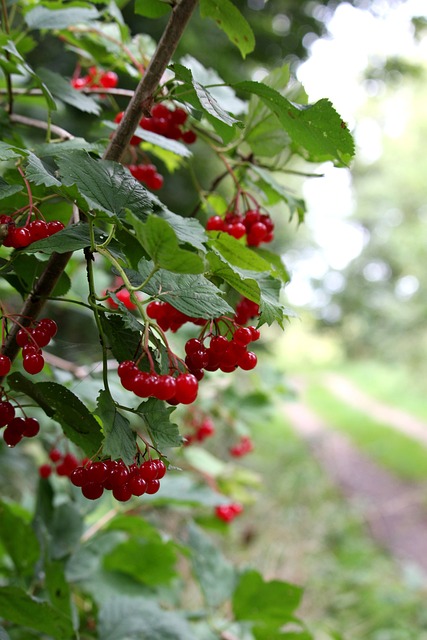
(41, 124)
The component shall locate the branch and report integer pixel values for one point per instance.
(142, 98)
(41, 124)
(137, 106)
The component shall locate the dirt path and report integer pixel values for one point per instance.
(395, 511)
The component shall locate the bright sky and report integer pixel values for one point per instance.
(335, 71)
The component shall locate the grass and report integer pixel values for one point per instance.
(395, 385)
(395, 451)
(302, 530)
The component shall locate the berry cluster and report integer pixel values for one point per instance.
(95, 79)
(243, 447)
(124, 482)
(165, 122)
(202, 427)
(168, 317)
(64, 464)
(227, 512)
(32, 340)
(258, 227)
(181, 389)
(148, 174)
(226, 355)
(245, 311)
(16, 427)
(19, 237)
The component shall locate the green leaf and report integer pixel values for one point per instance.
(66, 528)
(18, 607)
(62, 89)
(214, 573)
(122, 618)
(57, 587)
(193, 295)
(160, 242)
(43, 18)
(316, 130)
(7, 189)
(19, 540)
(296, 205)
(38, 172)
(58, 149)
(135, 526)
(152, 8)
(151, 562)
(231, 21)
(178, 148)
(187, 230)
(10, 152)
(156, 416)
(25, 69)
(119, 437)
(211, 106)
(237, 254)
(275, 260)
(121, 341)
(105, 186)
(272, 602)
(60, 404)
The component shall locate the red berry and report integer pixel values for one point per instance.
(161, 468)
(166, 387)
(148, 470)
(155, 182)
(11, 437)
(20, 237)
(33, 363)
(32, 427)
(123, 493)
(137, 485)
(152, 486)
(78, 476)
(45, 471)
(17, 425)
(256, 234)
(54, 226)
(215, 223)
(160, 110)
(22, 337)
(109, 79)
(247, 361)
(48, 325)
(97, 472)
(178, 116)
(189, 137)
(55, 455)
(186, 388)
(38, 230)
(40, 337)
(7, 412)
(92, 491)
(5, 365)
(243, 336)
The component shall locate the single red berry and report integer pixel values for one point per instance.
(54, 226)
(152, 486)
(45, 470)
(247, 361)
(92, 491)
(109, 79)
(97, 472)
(237, 230)
(215, 223)
(55, 455)
(137, 485)
(32, 427)
(22, 337)
(166, 387)
(155, 182)
(78, 476)
(33, 363)
(243, 336)
(20, 237)
(148, 470)
(186, 388)
(189, 137)
(11, 437)
(178, 116)
(256, 234)
(161, 468)
(117, 477)
(7, 412)
(123, 493)
(79, 83)
(40, 337)
(38, 230)
(5, 365)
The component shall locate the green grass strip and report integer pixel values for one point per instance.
(393, 450)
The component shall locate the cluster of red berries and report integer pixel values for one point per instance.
(227, 512)
(147, 174)
(243, 447)
(95, 79)
(226, 355)
(16, 427)
(245, 311)
(19, 237)
(181, 389)
(258, 227)
(168, 317)
(63, 464)
(124, 482)
(165, 122)
(202, 427)
(32, 340)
